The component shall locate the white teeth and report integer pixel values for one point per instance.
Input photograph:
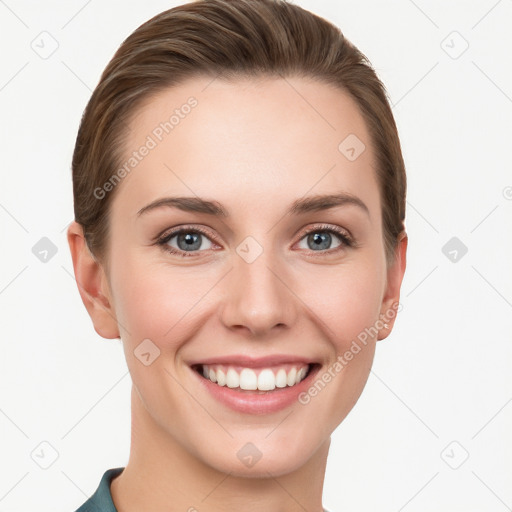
(290, 380)
(266, 380)
(232, 378)
(281, 379)
(221, 378)
(249, 379)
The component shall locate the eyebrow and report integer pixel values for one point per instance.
(298, 207)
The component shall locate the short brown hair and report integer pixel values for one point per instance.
(228, 38)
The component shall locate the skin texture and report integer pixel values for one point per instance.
(255, 146)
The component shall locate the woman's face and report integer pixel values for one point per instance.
(280, 281)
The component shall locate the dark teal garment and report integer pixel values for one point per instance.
(101, 500)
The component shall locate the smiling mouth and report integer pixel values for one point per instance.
(240, 378)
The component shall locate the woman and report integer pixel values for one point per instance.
(239, 195)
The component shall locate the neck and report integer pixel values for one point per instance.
(162, 475)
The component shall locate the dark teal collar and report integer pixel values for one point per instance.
(101, 500)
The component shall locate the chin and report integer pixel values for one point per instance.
(261, 458)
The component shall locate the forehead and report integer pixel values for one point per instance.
(244, 139)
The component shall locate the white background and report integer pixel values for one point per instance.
(441, 386)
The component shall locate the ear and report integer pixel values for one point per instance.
(395, 274)
(92, 284)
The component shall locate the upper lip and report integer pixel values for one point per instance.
(253, 362)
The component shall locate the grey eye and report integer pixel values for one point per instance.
(189, 241)
(320, 240)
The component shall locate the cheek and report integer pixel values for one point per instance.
(347, 300)
(157, 301)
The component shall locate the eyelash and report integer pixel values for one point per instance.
(345, 239)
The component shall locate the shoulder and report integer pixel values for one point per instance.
(101, 500)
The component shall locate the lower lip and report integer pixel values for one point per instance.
(256, 402)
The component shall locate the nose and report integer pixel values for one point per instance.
(258, 299)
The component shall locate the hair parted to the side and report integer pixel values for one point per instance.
(227, 38)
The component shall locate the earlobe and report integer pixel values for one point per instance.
(92, 284)
(391, 299)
